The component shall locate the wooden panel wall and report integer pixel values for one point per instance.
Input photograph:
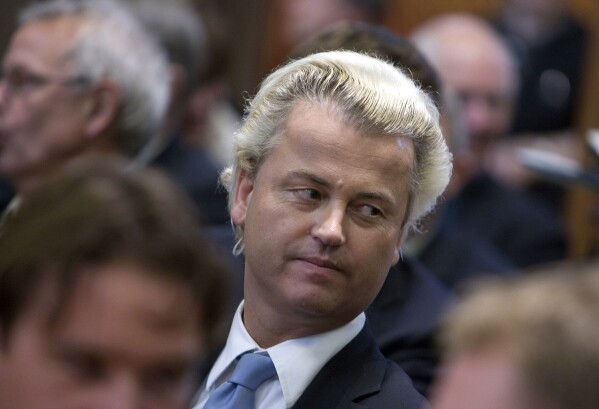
(404, 15)
(583, 205)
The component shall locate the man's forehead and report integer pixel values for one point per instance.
(62, 296)
(317, 133)
(60, 26)
(44, 43)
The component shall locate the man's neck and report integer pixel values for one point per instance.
(269, 329)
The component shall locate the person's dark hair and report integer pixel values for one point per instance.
(377, 41)
(100, 212)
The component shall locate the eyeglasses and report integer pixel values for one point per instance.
(20, 82)
(490, 100)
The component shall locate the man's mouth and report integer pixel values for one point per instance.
(322, 262)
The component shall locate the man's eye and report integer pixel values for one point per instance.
(84, 367)
(21, 80)
(369, 211)
(308, 194)
(17, 79)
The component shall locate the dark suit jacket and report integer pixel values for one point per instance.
(359, 376)
(525, 230)
(197, 174)
(405, 316)
(457, 259)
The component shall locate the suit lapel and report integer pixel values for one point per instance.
(354, 372)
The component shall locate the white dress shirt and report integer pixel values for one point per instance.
(297, 362)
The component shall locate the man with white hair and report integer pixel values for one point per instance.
(78, 78)
(338, 156)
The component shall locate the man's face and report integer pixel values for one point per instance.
(488, 379)
(322, 219)
(124, 340)
(484, 83)
(42, 111)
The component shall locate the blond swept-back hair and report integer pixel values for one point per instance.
(371, 94)
(548, 324)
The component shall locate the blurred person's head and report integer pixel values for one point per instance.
(524, 344)
(302, 18)
(473, 62)
(353, 86)
(179, 30)
(78, 77)
(109, 296)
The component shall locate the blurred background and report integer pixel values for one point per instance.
(255, 38)
(251, 37)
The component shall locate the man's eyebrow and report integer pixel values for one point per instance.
(378, 196)
(74, 349)
(305, 174)
(372, 195)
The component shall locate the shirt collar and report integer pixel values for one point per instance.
(297, 361)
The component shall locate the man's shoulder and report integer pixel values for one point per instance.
(359, 373)
(397, 390)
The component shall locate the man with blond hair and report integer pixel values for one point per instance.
(339, 155)
(527, 343)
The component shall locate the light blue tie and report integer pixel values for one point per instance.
(240, 389)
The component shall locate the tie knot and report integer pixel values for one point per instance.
(253, 370)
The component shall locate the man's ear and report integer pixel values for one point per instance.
(102, 108)
(241, 198)
(397, 253)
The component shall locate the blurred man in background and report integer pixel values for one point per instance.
(528, 343)
(109, 296)
(79, 78)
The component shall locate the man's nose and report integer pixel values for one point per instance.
(478, 116)
(328, 227)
